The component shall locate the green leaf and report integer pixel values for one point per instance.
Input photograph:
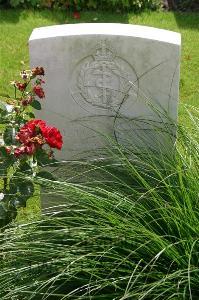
(20, 191)
(18, 202)
(3, 152)
(24, 188)
(8, 211)
(43, 159)
(3, 171)
(25, 167)
(5, 164)
(3, 211)
(3, 119)
(46, 175)
(8, 136)
(36, 104)
(30, 115)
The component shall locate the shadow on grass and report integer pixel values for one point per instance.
(62, 16)
(183, 19)
(9, 16)
(187, 20)
(15, 15)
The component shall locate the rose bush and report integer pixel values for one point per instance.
(26, 144)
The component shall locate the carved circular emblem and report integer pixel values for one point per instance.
(103, 78)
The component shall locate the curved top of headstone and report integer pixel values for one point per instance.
(138, 31)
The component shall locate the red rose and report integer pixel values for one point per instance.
(34, 134)
(29, 150)
(19, 151)
(34, 124)
(21, 86)
(53, 137)
(37, 89)
(24, 135)
(29, 130)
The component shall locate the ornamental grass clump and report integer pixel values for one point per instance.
(132, 232)
(26, 143)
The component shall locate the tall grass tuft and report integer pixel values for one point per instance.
(131, 232)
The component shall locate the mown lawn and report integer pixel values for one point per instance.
(17, 25)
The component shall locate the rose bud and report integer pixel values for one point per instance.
(21, 86)
(8, 150)
(25, 102)
(37, 89)
(37, 71)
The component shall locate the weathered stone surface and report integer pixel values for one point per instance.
(112, 79)
(106, 79)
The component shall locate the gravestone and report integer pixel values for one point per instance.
(117, 80)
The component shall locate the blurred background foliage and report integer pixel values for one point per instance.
(125, 5)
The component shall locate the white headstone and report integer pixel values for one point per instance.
(111, 79)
